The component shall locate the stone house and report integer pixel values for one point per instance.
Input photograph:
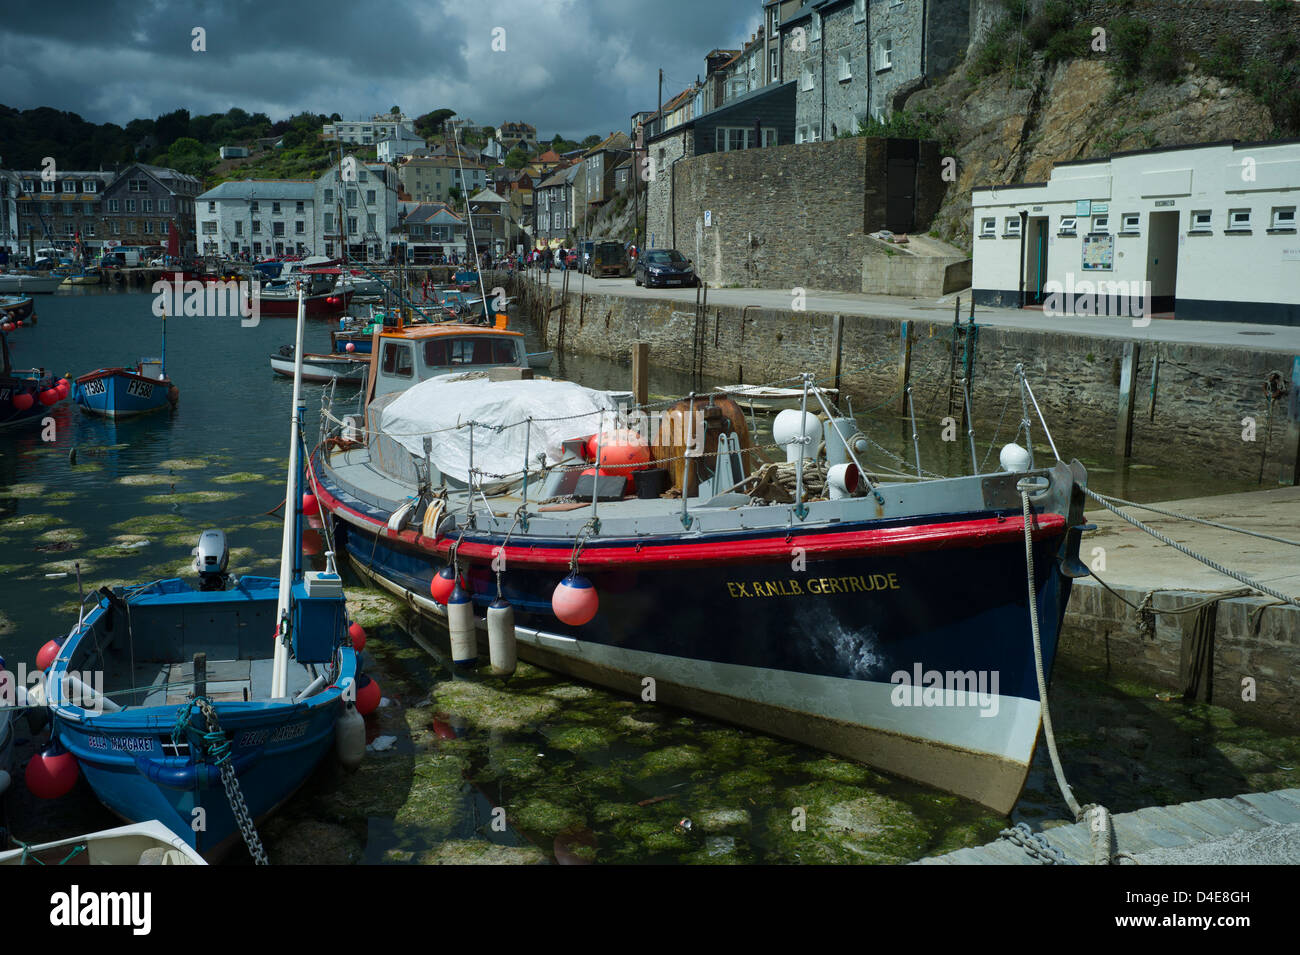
(260, 217)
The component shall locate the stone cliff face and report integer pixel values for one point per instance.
(1004, 132)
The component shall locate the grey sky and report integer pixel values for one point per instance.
(570, 66)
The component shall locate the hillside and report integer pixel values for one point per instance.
(1022, 102)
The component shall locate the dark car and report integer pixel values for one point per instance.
(664, 268)
(609, 258)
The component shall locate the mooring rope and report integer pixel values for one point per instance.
(1200, 520)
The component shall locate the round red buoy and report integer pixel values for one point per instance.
(23, 400)
(443, 583)
(50, 396)
(20, 323)
(6, 327)
(368, 695)
(575, 601)
(51, 774)
(333, 299)
(358, 635)
(442, 729)
(350, 346)
(310, 507)
(48, 654)
(64, 384)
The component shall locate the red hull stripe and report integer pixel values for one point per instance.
(889, 540)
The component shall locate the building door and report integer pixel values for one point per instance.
(1162, 261)
(900, 184)
(1036, 274)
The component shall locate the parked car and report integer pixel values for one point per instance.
(584, 255)
(609, 258)
(664, 267)
(571, 258)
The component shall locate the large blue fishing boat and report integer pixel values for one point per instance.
(876, 615)
(127, 392)
(210, 705)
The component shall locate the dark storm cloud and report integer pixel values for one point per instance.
(572, 66)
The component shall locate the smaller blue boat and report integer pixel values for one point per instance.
(126, 392)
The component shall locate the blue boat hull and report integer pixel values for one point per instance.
(118, 393)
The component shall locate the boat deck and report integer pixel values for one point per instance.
(171, 684)
(1254, 828)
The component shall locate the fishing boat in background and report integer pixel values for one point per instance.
(195, 713)
(126, 392)
(321, 368)
(16, 308)
(84, 276)
(279, 298)
(26, 395)
(142, 843)
(800, 596)
(766, 399)
(540, 359)
(29, 283)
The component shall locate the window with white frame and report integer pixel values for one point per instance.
(1201, 219)
(69, 185)
(212, 206)
(47, 185)
(112, 206)
(774, 67)
(146, 205)
(1069, 225)
(989, 226)
(884, 53)
(1011, 226)
(1130, 223)
(257, 227)
(90, 229)
(148, 227)
(859, 10)
(138, 185)
(275, 208)
(846, 70)
(239, 227)
(29, 186)
(806, 78)
(1284, 217)
(255, 206)
(130, 205)
(90, 185)
(1238, 220)
(300, 227)
(816, 33)
(164, 205)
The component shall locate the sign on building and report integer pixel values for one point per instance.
(1099, 252)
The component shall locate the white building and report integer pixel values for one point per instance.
(361, 205)
(395, 147)
(1211, 227)
(364, 132)
(261, 217)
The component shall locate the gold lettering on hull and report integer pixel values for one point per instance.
(814, 586)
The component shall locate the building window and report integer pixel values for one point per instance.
(130, 205)
(47, 185)
(257, 227)
(255, 207)
(116, 228)
(90, 229)
(1130, 223)
(806, 78)
(846, 72)
(212, 206)
(774, 66)
(1012, 226)
(989, 227)
(239, 228)
(370, 222)
(90, 185)
(298, 208)
(859, 10)
(816, 28)
(148, 227)
(1239, 220)
(164, 205)
(884, 54)
(1284, 218)
(1201, 220)
(69, 185)
(275, 208)
(352, 225)
(329, 195)
(300, 228)
(257, 248)
(138, 185)
(277, 229)
(146, 205)
(352, 198)
(89, 207)
(1068, 225)
(370, 196)
(329, 222)
(1100, 223)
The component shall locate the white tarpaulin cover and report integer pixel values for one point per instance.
(442, 403)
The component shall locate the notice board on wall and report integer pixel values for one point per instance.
(1099, 252)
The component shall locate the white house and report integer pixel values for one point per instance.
(257, 216)
(1211, 228)
(367, 132)
(395, 147)
(362, 200)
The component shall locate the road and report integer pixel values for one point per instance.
(1234, 334)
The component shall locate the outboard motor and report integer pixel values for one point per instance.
(210, 560)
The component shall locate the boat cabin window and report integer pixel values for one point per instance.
(397, 360)
(476, 350)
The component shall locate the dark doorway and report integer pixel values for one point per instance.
(1036, 273)
(900, 184)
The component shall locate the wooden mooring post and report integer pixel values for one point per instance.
(1291, 460)
(904, 365)
(837, 351)
(641, 373)
(1127, 394)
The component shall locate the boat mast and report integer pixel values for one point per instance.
(455, 144)
(292, 505)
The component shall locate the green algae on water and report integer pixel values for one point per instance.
(191, 497)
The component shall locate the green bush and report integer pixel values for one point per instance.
(1164, 59)
(1225, 61)
(1129, 38)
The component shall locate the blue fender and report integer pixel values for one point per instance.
(188, 776)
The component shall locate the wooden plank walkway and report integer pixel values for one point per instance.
(1258, 828)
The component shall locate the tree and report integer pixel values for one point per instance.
(431, 123)
(517, 158)
(592, 140)
(394, 111)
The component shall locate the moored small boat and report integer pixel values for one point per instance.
(26, 395)
(141, 843)
(766, 399)
(17, 308)
(280, 298)
(29, 283)
(125, 392)
(321, 368)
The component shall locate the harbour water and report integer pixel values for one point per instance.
(539, 768)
